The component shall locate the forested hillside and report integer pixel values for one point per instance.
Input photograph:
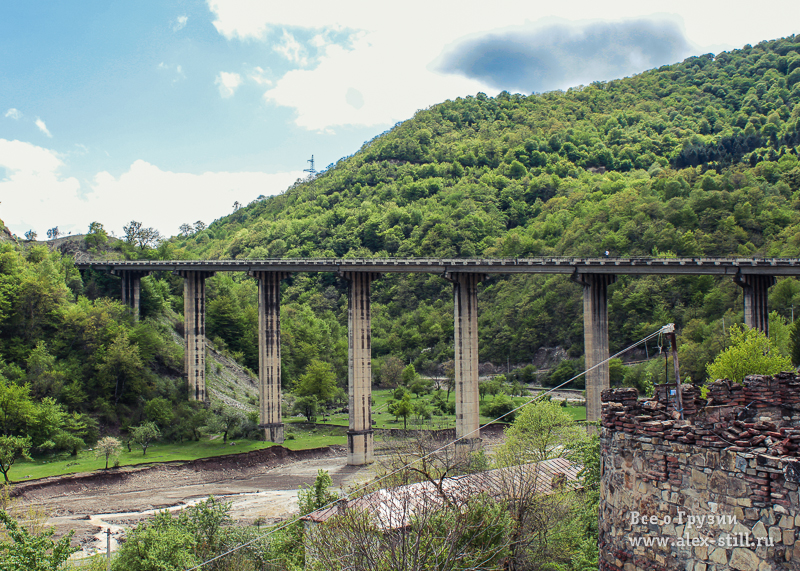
(694, 159)
(75, 365)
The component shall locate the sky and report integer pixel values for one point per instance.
(170, 111)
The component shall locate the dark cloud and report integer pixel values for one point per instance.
(556, 56)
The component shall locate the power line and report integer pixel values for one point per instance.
(664, 329)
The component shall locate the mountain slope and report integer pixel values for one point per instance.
(697, 158)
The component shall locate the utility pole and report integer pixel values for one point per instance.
(678, 392)
(311, 170)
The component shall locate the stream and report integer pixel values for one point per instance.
(245, 507)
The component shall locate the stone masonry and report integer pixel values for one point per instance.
(715, 491)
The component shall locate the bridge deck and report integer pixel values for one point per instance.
(619, 266)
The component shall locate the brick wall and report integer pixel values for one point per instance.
(717, 490)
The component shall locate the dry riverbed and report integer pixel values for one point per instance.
(261, 485)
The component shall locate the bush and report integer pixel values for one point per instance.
(498, 406)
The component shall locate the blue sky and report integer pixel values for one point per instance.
(167, 112)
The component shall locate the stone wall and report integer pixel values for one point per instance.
(717, 490)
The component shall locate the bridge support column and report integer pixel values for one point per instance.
(360, 438)
(465, 310)
(131, 288)
(595, 337)
(194, 319)
(269, 353)
(755, 288)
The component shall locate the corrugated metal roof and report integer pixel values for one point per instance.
(393, 508)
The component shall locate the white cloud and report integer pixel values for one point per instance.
(36, 195)
(291, 49)
(13, 114)
(389, 60)
(259, 75)
(43, 127)
(368, 85)
(228, 83)
(166, 199)
(179, 23)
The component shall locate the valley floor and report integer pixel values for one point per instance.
(261, 485)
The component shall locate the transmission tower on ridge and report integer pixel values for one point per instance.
(311, 170)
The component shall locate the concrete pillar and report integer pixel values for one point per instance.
(360, 440)
(595, 338)
(465, 310)
(131, 288)
(269, 353)
(194, 319)
(755, 288)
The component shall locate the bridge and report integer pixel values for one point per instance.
(754, 275)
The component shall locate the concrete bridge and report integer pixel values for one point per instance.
(755, 276)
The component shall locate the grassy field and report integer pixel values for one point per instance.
(299, 436)
(383, 419)
(303, 437)
(86, 461)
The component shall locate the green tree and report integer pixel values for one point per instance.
(422, 410)
(517, 170)
(541, 430)
(12, 448)
(308, 406)
(122, 366)
(317, 495)
(750, 353)
(794, 342)
(500, 406)
(207, 522)
(421, 386)
(33, 552)
(16, 407)
(145, 434)
(403, 407)
(160, 411)
(616, 372)
(391, 371)
(96, 236)
(318, 380)
(158, 545)
(232, 420)
(408, 376)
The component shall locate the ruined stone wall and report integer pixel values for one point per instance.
(715, 491)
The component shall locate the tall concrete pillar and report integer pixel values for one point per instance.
(194, 319)
(131, 289)
(269, 353)
(465, 310)
(755, 288)
(595, 337)
(360, 440)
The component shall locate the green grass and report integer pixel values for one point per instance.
(299, 437)
(383, 419)
(63, 463)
